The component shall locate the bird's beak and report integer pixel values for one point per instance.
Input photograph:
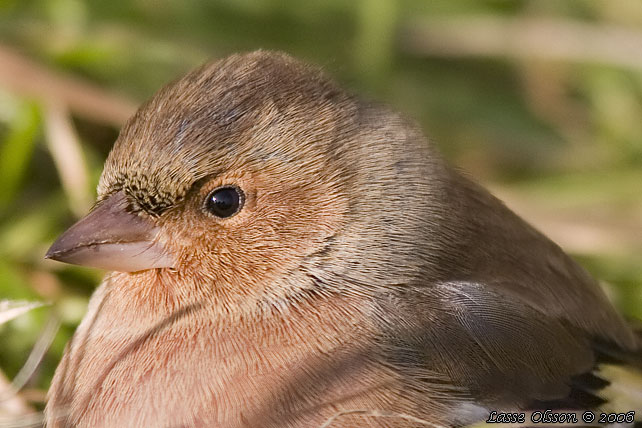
(112, 238)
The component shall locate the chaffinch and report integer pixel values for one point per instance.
(283, 254)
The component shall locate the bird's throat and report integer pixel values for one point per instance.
(231, 359)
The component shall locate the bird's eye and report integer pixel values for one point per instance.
(224, 201)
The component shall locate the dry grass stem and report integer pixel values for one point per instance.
(575, 231)
(25, 77)
(66, 151)
(30, 420)
(541, 38)
(35, 357)
(10, 309)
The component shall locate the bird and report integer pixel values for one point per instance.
(283, 253)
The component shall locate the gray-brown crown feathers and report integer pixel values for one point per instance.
(216, 110)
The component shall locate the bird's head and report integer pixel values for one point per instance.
(256, 169)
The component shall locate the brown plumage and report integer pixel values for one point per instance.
(360, 273)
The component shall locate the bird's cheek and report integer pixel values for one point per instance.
(192, 243)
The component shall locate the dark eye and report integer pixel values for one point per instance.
(224, 201)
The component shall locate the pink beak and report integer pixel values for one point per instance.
(112, 238)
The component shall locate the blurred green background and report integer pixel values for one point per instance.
(540, 100)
